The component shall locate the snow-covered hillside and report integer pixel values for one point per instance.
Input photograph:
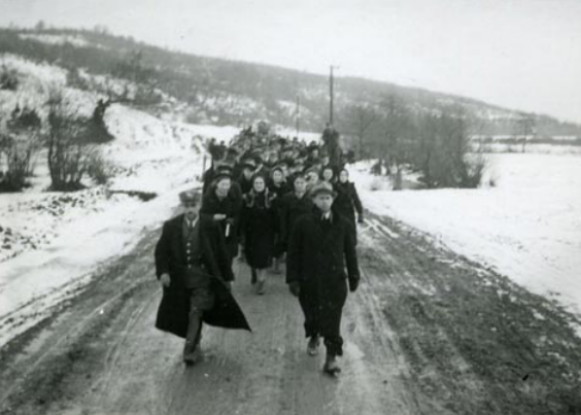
(528, 227)
(51, 241)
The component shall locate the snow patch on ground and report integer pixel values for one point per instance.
(528, 227)
(57, 240)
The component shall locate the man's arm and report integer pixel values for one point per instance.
(357, 201)
(294, 252)
(351, 256)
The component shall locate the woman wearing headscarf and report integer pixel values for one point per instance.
(347, 201)
(328, 175)
(258, 227)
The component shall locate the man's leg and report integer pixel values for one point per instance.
(309, 304)
(200, 299)
(192, 353)
(331, 314)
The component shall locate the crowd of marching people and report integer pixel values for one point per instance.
(260, 184)
(265, 198)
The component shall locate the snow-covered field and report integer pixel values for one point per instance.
(528, 227)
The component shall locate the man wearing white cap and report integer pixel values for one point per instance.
(193, 266)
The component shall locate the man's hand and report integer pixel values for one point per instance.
(165, 280)
(219, 216)
(294, 288)
(353, 284)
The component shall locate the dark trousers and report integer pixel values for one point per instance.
(201, 299)
(322, 303)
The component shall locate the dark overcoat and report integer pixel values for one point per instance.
(347, 201)
(277, 203)
(172, 315)
(292, 208)
(229, 206)
(317, 254)
(321, 257)
(258, 221)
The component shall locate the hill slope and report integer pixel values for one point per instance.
(223, 92)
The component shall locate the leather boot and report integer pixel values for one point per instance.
(313, 345)
(331, 367)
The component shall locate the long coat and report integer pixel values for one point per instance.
(314, 253)
(258, 221)
(291, 209)
(277, 204)
(172, 315)
(321, 256)
(229, 206)
(347, 201)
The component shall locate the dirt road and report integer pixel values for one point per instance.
(428, 332)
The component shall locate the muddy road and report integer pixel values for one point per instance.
(428, 332)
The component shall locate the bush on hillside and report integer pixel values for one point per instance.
(20, 141)
(8, 79)
(69, 149)
(98, 168)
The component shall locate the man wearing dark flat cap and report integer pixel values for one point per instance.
(321, 262)
(248, 167)
(193, 267)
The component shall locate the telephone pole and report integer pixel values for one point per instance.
(298, 115)
(331, 93)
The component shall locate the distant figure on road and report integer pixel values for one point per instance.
(193, 266)
(321, 243)
(347, 201)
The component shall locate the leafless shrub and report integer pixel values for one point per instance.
(20, 141)
(8, 78)
(98, 168)
(68, 144)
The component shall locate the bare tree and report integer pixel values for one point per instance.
(360, 119)
(20, 141)
(397, 133)
(69, 151)
(442, 151)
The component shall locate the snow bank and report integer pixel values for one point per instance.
(57, 240)
(528, 227)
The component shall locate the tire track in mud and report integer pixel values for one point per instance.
(411, 344)
(129, 367)
(40, 358)
(472, 339)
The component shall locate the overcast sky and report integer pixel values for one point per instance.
(523, 54)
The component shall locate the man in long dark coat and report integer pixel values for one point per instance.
(193, 265)
(320, 246)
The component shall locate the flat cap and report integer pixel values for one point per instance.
(322, 187)
(190, 196)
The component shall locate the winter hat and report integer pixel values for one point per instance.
(322, 187)
(190, 196)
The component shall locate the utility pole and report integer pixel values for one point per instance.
(298, 115)
(331, 96)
